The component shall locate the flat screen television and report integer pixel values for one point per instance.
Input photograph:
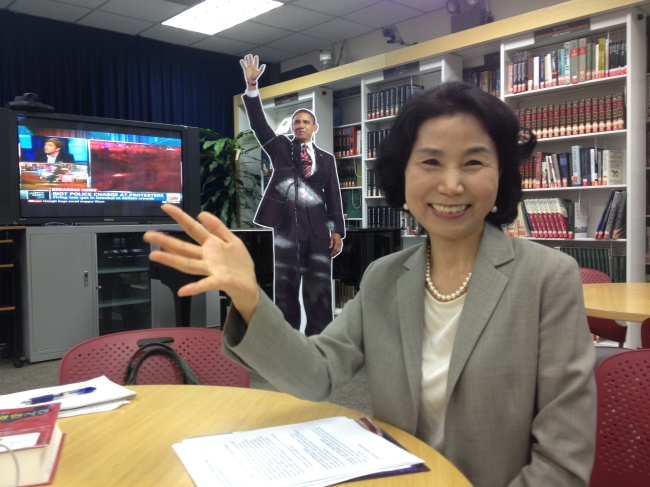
(70, 169)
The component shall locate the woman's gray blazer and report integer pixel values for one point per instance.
(521, 402)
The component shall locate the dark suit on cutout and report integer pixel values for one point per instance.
(60, 157)
(303, 213)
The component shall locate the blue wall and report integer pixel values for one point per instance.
(87, 71)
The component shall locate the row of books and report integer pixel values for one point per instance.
(600, 259)
(558, 218)
(574, 61)
(387, 102)
(647, 245)
(386, 217)
(487, 79)
(348, 177)
(347, 141)
(575, 117)
(374, 140)
(372, 183)
(542, 218)
(343, 293)
(583, 166)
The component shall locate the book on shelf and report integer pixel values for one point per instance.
(600, 229)
(620, 222)
(34, 435)
(612, 171)
(611, 216)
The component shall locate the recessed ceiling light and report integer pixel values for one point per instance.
(213, 16)
(453, 7)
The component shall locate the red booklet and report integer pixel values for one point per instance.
(35, 438)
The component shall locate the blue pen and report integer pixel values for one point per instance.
(60, 395)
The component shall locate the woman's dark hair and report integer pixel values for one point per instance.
(498, 120)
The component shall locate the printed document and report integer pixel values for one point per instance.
(316, 453)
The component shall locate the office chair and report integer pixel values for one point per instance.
(603, 327)
(645, 333)
(109, 355)
(622, 433)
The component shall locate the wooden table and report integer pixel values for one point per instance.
(132, 445)
(618, 301)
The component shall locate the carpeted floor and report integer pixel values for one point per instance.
(354, 395)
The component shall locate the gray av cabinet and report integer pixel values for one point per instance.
(79, 282)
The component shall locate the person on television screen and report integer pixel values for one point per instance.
(475, 342)
(53, 152)
(302, 204)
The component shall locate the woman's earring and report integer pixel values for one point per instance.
(494, 209)
(406, 207)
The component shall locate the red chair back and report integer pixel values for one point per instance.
(645, 333)
(109, 355)
(623, 431)
(603, 327)
(592, 276)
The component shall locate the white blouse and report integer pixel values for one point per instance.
(440, 326)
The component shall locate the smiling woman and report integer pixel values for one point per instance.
(458, 334)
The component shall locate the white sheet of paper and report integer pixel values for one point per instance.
(95, 408)
(316, 453)
(105, 391)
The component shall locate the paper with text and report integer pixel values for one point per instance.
(316, 453)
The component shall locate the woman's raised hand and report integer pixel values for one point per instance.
(220, 256)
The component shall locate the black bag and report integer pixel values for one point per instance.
(157, 348)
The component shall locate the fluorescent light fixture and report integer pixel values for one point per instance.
(213, 16)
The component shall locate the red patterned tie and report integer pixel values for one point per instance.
(305, 161)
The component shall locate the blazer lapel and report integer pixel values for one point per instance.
(486, 287)
(410, 299)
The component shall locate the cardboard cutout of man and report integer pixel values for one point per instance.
(302, 204)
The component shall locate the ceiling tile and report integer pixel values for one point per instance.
(423, 5)
(151, 10)
(226, 46)
(84, 3)
(255, 33)
(299, 43)
(51, 10)
(292, 18)
(335, 7)
(268, 54)
(117, 23)
(337, 30)
(382, 14)
(173, 35)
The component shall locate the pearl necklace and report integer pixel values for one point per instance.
(439, 296)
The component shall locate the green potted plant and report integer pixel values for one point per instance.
(226, 187)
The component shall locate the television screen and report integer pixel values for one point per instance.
(99, 170)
